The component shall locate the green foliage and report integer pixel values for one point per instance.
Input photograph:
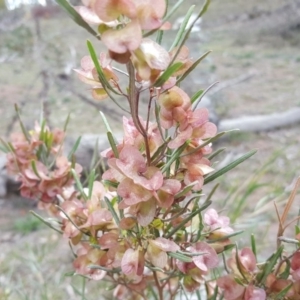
(19, 40)
(27, 224)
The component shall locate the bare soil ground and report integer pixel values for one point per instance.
(256, 37)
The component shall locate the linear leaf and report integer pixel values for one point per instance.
(168, 73)
(4, 148)
(283, 292)
(192, 67)
(74, 148)
(174, 156)
(110, 183)
(24, 131)
(196, 96)
(95, 267)
(216, 153)
(270, 264)
(253, 245)
(229, 167)
(79, 185)
(45, 222)
(91, 183)
(190, 217)
(182, 27)
(180, 256)
(35, 171)
(225, 237)
(206, 142)
(105, 83)
(112, 144)
(188, 31)
(187, 189)
(112, 210)
(67, 122)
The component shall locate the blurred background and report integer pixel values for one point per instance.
(255, 57)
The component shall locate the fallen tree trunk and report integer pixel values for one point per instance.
(258, 123)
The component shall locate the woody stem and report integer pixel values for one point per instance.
(133, 99)
(159, 288)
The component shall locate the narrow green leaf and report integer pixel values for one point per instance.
(69, 274)
(159, 36)
(111, 138)
(104, 119)
(33, 166)
(198, 294)
(196, 96)
(160, 151)
(196, 103)
(229, 247)
(206, 142)
(287, 271)
(24, 131)
(186, 220)
(74, 148)
(204, 8)
(225, 237)
(105, 83)
(297, 229)
(187, 189)
(157, 118)
(67, 122)
(253, 245)
(182, 27)
(174, 156)
(83, 288)
(114, 200)
(212, 192)
(217, 152)
(79, 185)
(167, 74)
(191, 254)
(76, 17)
(97, 267)
(180, 256)
(229, 167)
(4, 148)
(78, 292)
(112, 210)
(239, 264)
(188, 31)
(283, 292)
(200, 229)
(70, 219)
(215, 294)
(110, 183)
(269, 266)
(192, 67)
(153, 292)
(95, 158)
(42, 132)
(49, 141)
(91, 183)
(46, 222)
(112, 144)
